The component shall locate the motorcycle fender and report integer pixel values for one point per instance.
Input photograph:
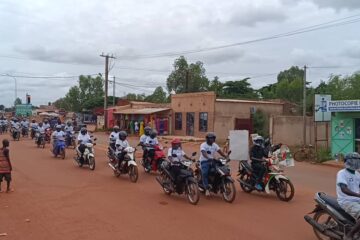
(132, 163)
(91, 155)
(277, 177)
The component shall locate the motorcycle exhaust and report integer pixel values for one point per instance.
(321, 228)
(113, 168)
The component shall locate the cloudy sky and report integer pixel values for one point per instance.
(65, 38)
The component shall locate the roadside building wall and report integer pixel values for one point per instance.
(228, 111)
(203, 102)
(289, 130)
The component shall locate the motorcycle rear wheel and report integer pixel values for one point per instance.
(229, 192)
(322, 217)
(193, 193)
(246, 178)
(133, 173)
(281, 190)
(92, 163)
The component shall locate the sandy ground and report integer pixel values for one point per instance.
(55, 199)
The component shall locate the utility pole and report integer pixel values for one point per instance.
(107, 56)
(304, 105)
(114, 91)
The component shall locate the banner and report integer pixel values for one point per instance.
(344, 106)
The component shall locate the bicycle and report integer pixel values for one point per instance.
(306, 152)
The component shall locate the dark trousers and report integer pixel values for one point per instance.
(82, 148)
(259, 171)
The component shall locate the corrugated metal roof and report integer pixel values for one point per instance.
(141, 110)
(248, 101)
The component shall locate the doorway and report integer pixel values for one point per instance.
(190, 120)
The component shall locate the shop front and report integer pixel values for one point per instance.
(345, 126)
(134, 120)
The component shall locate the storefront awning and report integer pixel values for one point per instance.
(141, 111)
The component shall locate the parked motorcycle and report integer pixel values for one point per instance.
(186, 182)
(24, 132)
(220, 179)
(155, 163)
(89, 156)
(127, 166)
(274, 180)
(59, 148)
(70, 140)
(40, 139)
(328, 219)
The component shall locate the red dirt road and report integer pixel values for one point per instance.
(63, 201)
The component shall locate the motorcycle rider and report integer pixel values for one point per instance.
(41, 130)
(208, 150)
(114, 136)
(257, 155)
(46, 123)
(348, 190)
(83, 138)
(175, 156)
(121, 145)
(57, 135)
(15, 127)
(147, 131)
(25, 125)
(150, 143)
(68, 131)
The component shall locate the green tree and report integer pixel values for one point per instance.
(17, 101)
(216, 86)
(260, 121)
(187, 77)
(2, 107)
(238, 89)
(159, 96)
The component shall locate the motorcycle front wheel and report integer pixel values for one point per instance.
(229, 192)
(62, 153)
(133, 173)
(92, 163)
(193, 193)
(285, 190)
(323, 218)
(247, 179)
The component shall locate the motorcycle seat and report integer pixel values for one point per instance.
(334, 204)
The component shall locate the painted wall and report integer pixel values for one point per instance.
(196, 103)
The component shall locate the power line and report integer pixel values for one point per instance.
(325, 25)
(46, 77)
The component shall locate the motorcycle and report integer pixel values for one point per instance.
(70, 140)
(40, 140)
(59, 148)
(16, 134)
(24, 132)
(48, 133)
(155, 163)
(33, 133)
(329, 220)
(186, 182)
(88, 156)
(274, 179)
(220, 179)
(127, 166)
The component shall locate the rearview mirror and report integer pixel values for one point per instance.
(194, 154)
(229, 152)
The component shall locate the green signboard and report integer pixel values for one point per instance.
(24, 110)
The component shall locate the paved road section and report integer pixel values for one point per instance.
(54, 199)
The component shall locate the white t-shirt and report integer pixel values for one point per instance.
(58, 135)
(34, 125)
(68, 128)
(114, 136)
(210, 150)
(84, 138)
(178, 152)
(352, 181)
(46, 125)
(152, 141)
(122, 144)
(41, 129)
(143, 139)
